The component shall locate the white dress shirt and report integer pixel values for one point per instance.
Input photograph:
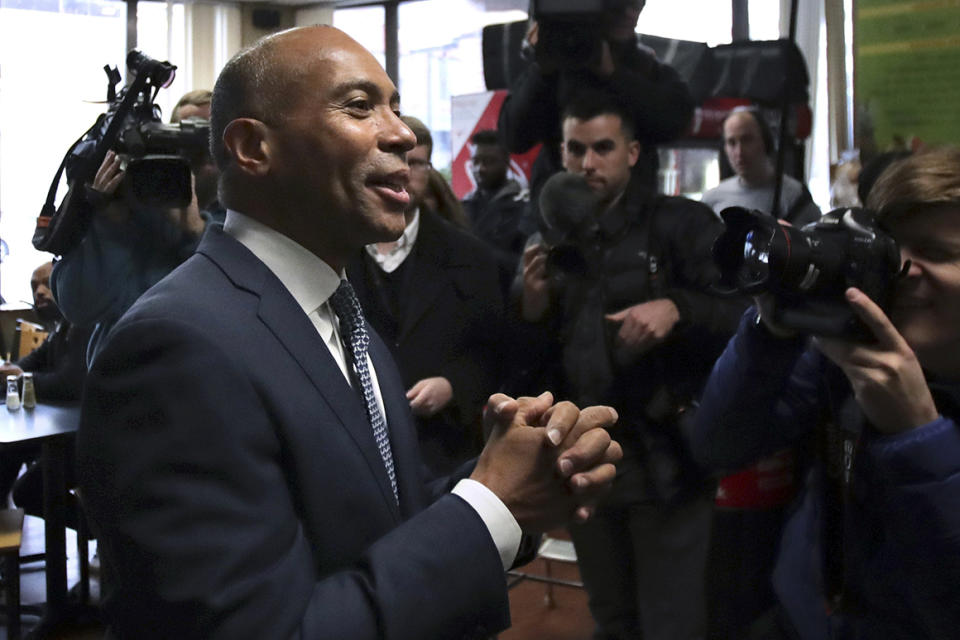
(392, 259)
(311, 282)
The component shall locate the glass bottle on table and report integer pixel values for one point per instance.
(29, 399)
(13, 393)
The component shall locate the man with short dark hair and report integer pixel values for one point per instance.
(496, 207)
(749, 145)
(622, 294)
(57, 365)
(246, 448)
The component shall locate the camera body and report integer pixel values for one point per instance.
(807, 270)
(571, 31)
(160, 158)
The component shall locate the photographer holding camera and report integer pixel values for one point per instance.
(873, 551)
(616, 284)
(577, 50)
(127, 249)
(131, 244)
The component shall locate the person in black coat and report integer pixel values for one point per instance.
(659, 100)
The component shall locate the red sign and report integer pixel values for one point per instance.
(470, 114)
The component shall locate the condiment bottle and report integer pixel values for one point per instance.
(13, 393)
(29, 400)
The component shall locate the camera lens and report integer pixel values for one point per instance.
(756, 257)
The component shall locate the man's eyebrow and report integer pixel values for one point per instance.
(367, 86)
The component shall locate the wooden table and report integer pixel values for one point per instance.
(53, 427)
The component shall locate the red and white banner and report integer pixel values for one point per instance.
(472, 113)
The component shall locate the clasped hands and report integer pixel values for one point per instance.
(548, 463)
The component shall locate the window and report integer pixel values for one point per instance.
(366, 26)
(672, 19)
(161, 34)
(436, 64)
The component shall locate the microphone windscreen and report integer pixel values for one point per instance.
(566, 200)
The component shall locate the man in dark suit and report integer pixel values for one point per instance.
(241, 485)
(434, 297)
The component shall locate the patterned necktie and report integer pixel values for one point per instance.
(347, 307)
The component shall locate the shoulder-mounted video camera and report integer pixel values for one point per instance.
(808, 269)
(157, 155)
(571, 31)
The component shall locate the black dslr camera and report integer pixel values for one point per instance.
(571, 31)
(158, 154)
(807, 270)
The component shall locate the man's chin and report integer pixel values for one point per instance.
(393, 227)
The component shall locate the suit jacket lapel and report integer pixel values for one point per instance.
(428, 272)
(286, 320)
(403, 440)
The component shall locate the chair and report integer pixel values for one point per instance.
(551, 550)
(11, 536)
(31, 336)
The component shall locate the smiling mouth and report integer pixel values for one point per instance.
(393, 190)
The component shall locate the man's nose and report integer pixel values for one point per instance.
(590, 160)
(397, 136)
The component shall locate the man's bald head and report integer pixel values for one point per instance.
(256, 84)
(267, 81)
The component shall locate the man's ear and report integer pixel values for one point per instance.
(248, 143)
(633, 151)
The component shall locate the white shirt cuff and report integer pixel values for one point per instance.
(500, 522)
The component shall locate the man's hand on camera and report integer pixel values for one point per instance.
(547, 67)
(645, 325)
(547, 463)
(104, 187)
(536, 283)
(886, 377)
(108, 175)
(605, 66)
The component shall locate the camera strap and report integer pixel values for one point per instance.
(838, 446)
(47, 220)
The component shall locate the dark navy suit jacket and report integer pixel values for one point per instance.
(233, 478)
